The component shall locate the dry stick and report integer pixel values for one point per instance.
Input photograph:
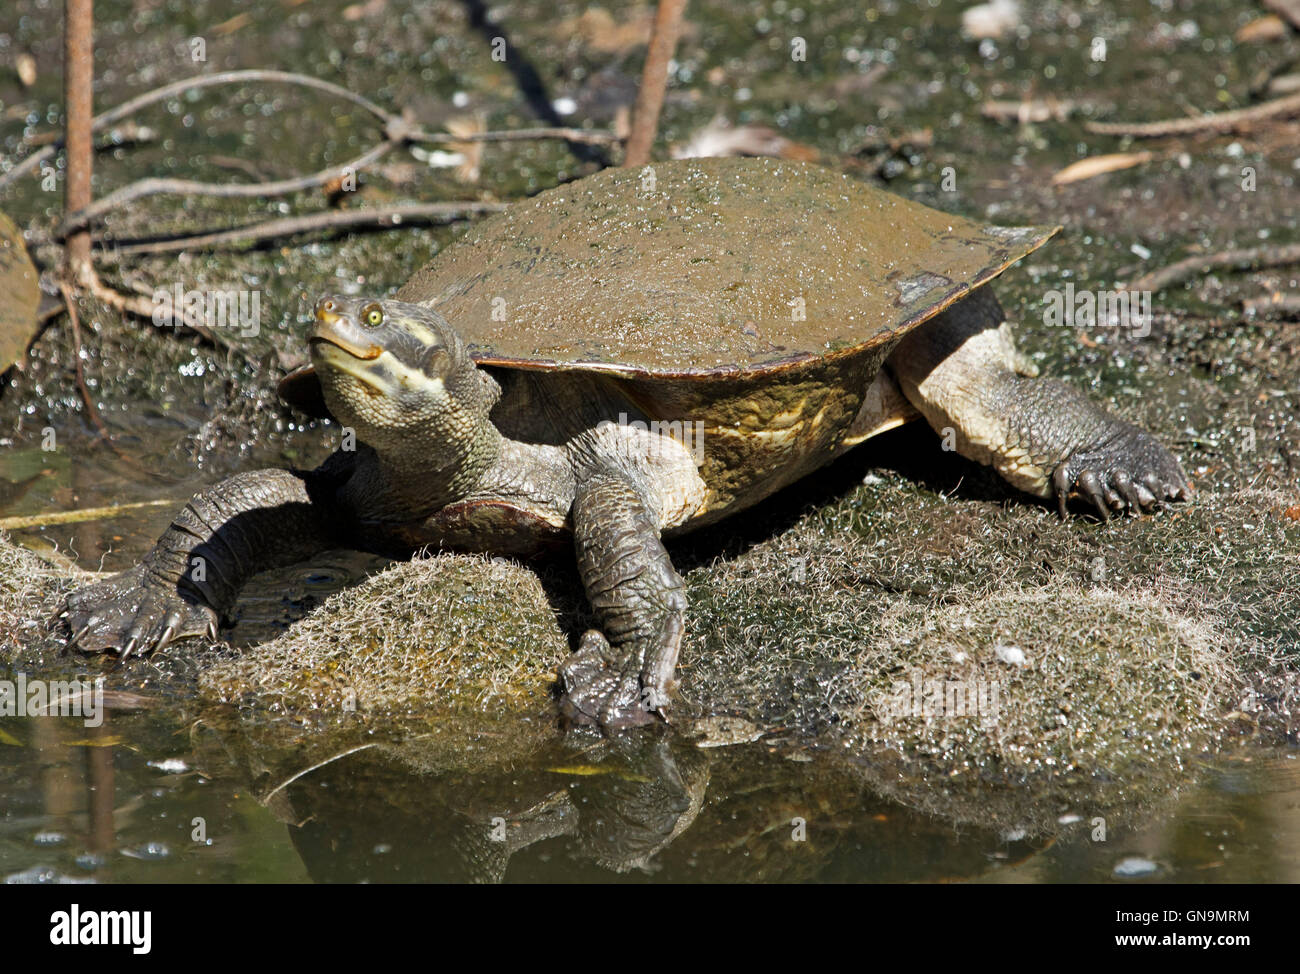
(1247, 259)
(86, 397)
(654, 81)
(144, 307)
(79, 516)
(1222, 122)
(586, 137)
(152, 187)
(180, 87)
(78, 94)
(283, 187)
(288, 77)
(286, 226)
(1273, 305)
(91, 410)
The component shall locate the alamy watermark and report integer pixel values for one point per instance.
(1071, 308)
(235, 308)
(22, 697)
(687, 433)
(942, 699)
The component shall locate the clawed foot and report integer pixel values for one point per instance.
(1129, 471)
(132, 614)
(601, 691)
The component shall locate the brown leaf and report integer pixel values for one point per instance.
(18, 283)
(25, 65)
(1261, 30)
(1097, 165)
(469, 170)
(721, 138)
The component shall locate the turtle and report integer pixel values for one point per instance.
(620, 360)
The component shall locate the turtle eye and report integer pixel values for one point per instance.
(373, 316)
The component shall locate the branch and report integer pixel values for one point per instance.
(1251, 258)
(378, 216)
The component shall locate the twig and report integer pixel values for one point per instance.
(78, 516)
(143, 307)
(1251, 258)
(1221, 122)
(584, 136)
(91, 410)
(1029, 110)
(128, 134)
(306, 771)
(654, 81)
(1275, 305)
(153, 187)
(180, 87)
(78, 95)
(89, 279)
(286, 226)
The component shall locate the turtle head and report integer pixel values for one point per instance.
(400, 376)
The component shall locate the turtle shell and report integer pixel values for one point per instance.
(749, 302)
(701, 266)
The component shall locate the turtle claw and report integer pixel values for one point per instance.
(133, 613)
(597, 692)
(1128, 471)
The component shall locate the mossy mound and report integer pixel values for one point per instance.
(30, 590)
(1049, 680)
(439, 635)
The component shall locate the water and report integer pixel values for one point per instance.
(153, 798)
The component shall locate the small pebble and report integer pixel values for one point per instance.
(170, 766)
(1135, 867)
(1011, 655)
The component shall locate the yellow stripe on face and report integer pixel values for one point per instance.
(423, 335)
(386, 374)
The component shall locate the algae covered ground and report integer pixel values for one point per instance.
(1119, 669)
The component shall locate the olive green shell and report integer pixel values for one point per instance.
(701, 265)
(745, 305)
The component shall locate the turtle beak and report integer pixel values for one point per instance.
(337, 328)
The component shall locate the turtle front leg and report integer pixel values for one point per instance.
(963, 373)
(623, 676)
(191, 577)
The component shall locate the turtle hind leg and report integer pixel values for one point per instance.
(961, 370)
(622, 677)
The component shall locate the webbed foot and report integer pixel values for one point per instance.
(134, 613)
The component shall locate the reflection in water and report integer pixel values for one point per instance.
(163, 797)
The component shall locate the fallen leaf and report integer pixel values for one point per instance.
(22, 295)
(468, 170)
(1097, 165)
(721, 138)
(1261, 30)
(112, 740)
(25, 65)
(598, 30)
